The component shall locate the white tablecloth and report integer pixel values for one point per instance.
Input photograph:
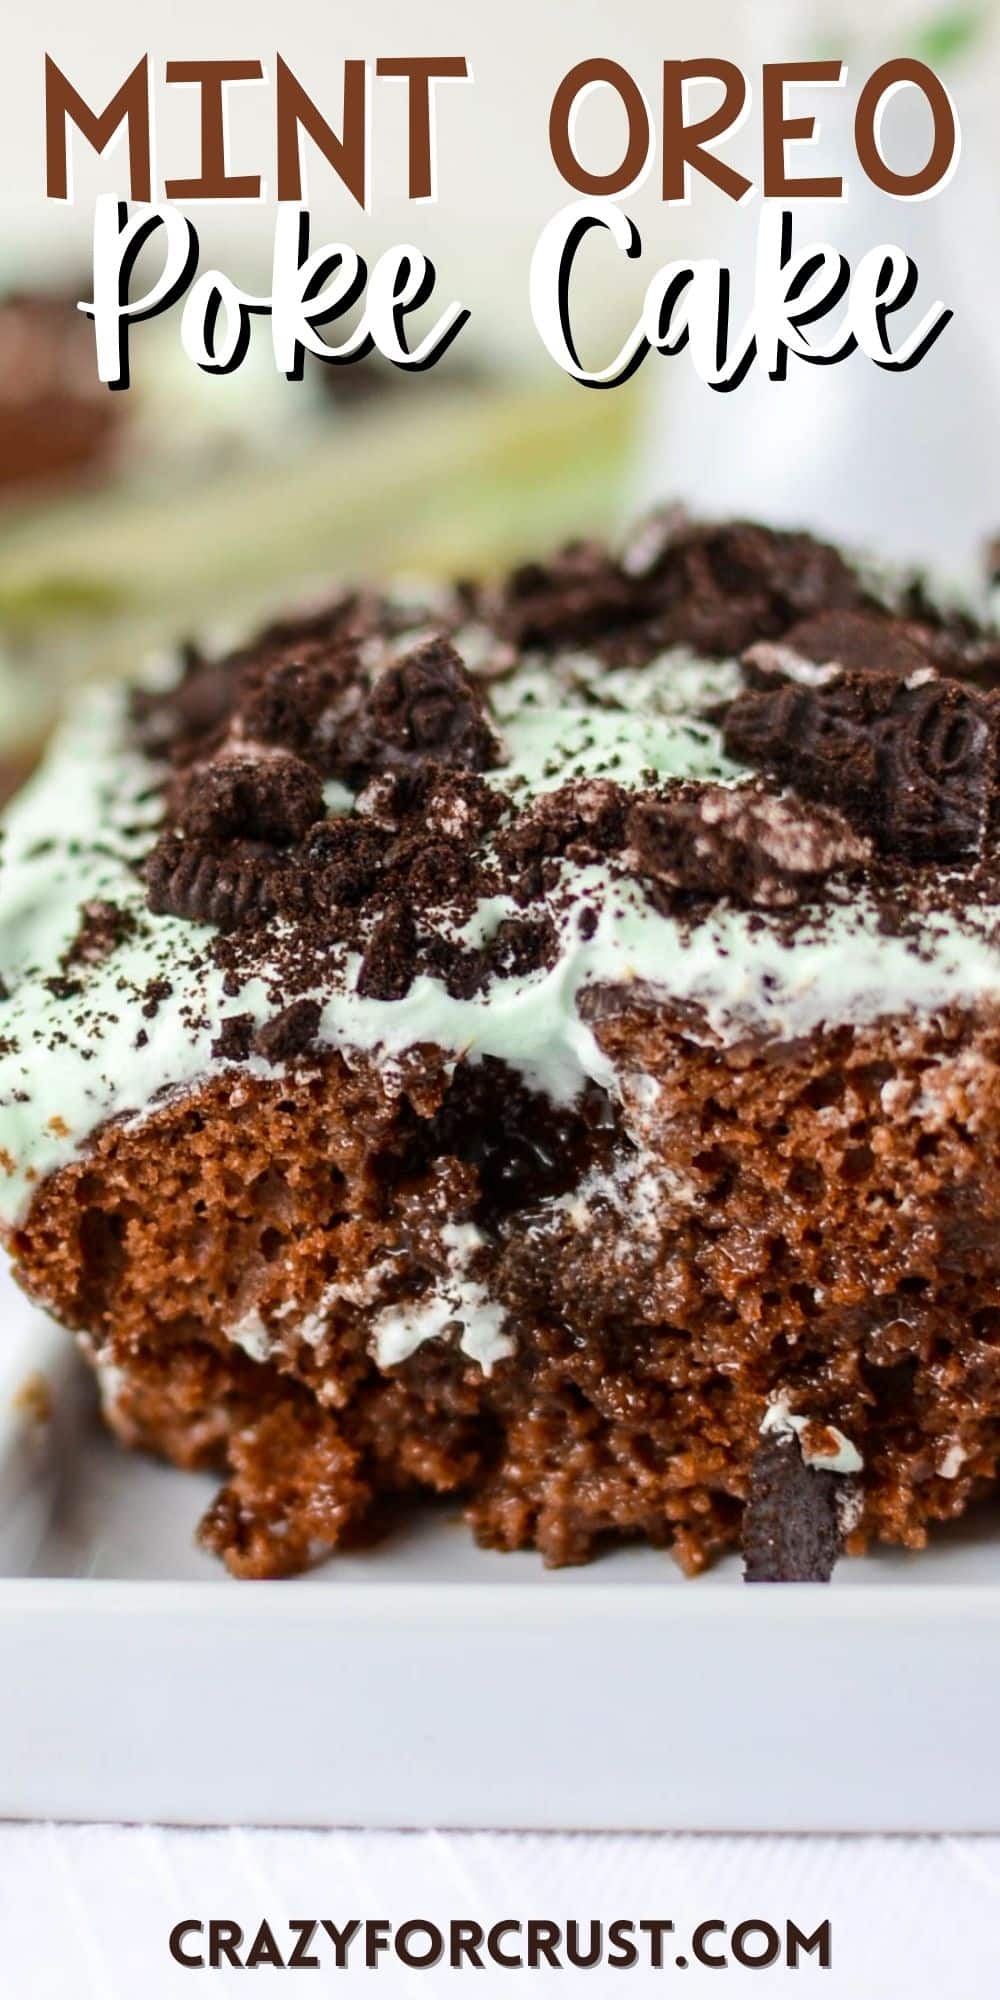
(86, 1912)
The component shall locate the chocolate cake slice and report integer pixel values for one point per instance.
(538, 1045)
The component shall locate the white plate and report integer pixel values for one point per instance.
(430, 1683)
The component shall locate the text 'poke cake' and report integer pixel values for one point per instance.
(538, 1044)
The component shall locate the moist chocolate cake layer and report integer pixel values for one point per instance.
(538, 1045)
(581, 1327)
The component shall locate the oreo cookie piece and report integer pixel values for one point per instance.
(424, 710)
(792, 1520)
(208, 882)
(291, 1033)
(275, 798)
(912, 761)
(737, 842)
(573, 598)
(389, 964)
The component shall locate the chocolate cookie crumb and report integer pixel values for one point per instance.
(234, 1041)
(285, 706)
(738, 842)
(522, 945)
(791, 1529)
(389, 964)
(423, 710)
(103, 926)
(275, 797)
(578, 595)
(63, 988)
(291, 1033)
(156, 991)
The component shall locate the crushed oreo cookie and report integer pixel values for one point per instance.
(718, 589)
(236, 694)
(274, 798)
(579, 595)
(791, 1522)
(234, 1041)
(206, 882)
(286, 705)
(423, 710)
(678, 582)
(290, 1034)
(911, 761)
(837, 642)
(872, 717)
(284, 1038)
(582, 822)
(389, 963)
(103, 927)
(703, 842)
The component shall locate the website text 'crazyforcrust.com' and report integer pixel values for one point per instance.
(512, 1944)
